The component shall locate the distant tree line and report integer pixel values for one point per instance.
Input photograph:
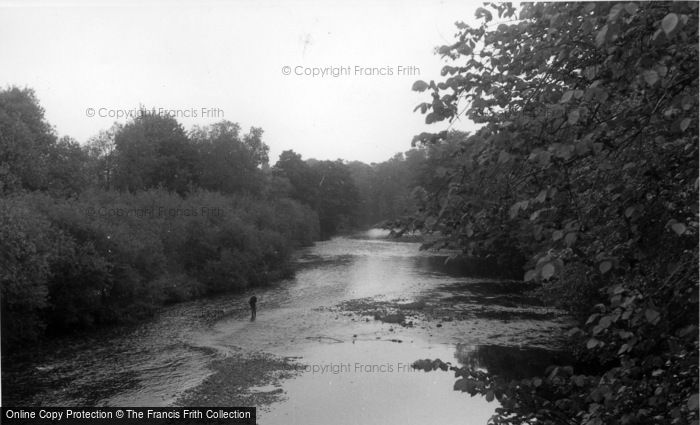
(325, 186)
(386, 188)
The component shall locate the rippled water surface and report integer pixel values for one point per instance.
(321, 318)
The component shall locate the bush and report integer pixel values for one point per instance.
(25, 247)
(108, 257)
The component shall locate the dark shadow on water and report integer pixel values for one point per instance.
(94, 391)
(486, 288)
(316, 261)
(511, 362)
(65, 383)
(506, 293)
(474, 267)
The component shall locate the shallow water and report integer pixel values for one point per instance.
(354, 368)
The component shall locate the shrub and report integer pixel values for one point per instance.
(108, 257)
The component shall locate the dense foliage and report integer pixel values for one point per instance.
(144, 214)
(586, 164)
(386, 188)
(326, 186)
(107, 257)
(31, 156)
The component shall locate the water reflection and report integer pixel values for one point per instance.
(509, 362)
(461, 266)
(376, 385)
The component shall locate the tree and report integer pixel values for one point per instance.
(227, 162)
(25, 242)
(587, 163)
(26, 139)
(102, 158)
(364, 177)
(302, 178)
(386, 188)
(394, 180)
(325, 186)
(67, 172)
(154, 151)
(258, 150)
(338, 197)
(31, 156)
(72, 259)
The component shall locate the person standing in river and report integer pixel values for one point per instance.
(253, 310)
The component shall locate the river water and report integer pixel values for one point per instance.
(330, 320)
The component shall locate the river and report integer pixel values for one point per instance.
(332, 345)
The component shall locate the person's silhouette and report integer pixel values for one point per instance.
(253, 300)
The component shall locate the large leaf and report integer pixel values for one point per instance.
(601, 36)
(420, 86)
(650, 76)
(574, 116)
(566, 96)
(651, 315)
(679, 228)
(669, 23)
(548, 270)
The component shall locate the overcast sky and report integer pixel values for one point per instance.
(230, 56)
